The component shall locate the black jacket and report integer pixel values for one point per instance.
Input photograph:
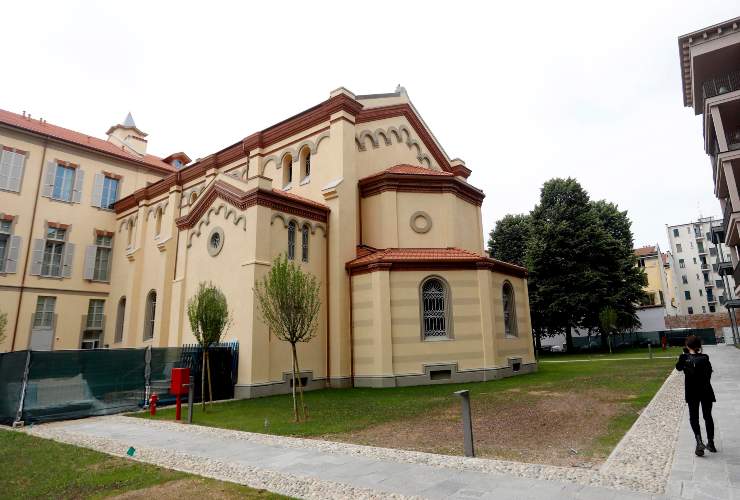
(698, 373)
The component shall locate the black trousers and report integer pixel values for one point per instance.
(706, 409)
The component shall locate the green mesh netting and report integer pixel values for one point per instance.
(12, 366)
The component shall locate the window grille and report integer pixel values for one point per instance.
(434, 308)
(509, 310)
(291, 240)
(304, 244)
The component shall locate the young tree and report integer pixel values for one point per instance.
(508, 240)
(289, 302)
(209, 318)
(608, 323)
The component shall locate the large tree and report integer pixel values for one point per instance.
(508, 240)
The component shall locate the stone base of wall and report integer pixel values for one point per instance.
(717, 321)
(433, 374)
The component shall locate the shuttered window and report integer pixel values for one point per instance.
(63, 182)
(12, 163)
(53, 251)
(105, 191)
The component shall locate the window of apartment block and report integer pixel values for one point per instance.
(44, 315)
(712, 251)
(694, 260)
(700, 246)
(675, 232)
(712, 308)
(687, 295)
(662, 298)
(9, 246)
(92, 335)
(684, 279)
(719, 284)
(641, 263)
(703, 309)
(691, 310)
(701, 293)
(681, 264)
(679, 248)
(63, 181)
(105, 190)
(52, 256)
(12, 162)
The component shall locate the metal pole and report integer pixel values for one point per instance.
(191, 391)
(467, 422)
(18, 422)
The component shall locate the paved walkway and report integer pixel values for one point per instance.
(316, 471)
(715, 476)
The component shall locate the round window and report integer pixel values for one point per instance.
(215, 241)
(421, 222)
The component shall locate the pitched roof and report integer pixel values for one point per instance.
(427, 258)
(645, 251)
(80, 139)
(415, 170)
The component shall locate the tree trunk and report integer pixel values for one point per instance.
(304, 409)
(210, 388)
(569, 339)
(203, 381)
(295, 404)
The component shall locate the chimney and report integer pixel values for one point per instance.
(128, 136)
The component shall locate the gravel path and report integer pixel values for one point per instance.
(640, 463)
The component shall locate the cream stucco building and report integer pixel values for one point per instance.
(356, 190)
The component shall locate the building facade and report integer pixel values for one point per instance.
(358, 192)
(701, 289)
(658, 290)
(710, 74)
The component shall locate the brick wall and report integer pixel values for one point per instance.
(714, 320)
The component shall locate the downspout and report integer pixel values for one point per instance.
(351, 336)
(28, 251)
(328, 303)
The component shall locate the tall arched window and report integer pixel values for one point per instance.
(150, 315)
(305, 160)
(158, 222)
(435, 317)
(129, 233)
(304, 243)
(291, 240)
(509, 310)
(287, 171)
(120, 315)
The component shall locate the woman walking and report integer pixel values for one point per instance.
(698, 390)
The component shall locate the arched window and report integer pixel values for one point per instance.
(305, 160)
(435, 317)
(291, 240)
(287, 171)
(150, 315)
(129, 233)
(304, 243)
(120, 315)
(509, 310)
(193, 198)
(158, 222)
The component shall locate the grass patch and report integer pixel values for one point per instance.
(41, 468)
(586, 406)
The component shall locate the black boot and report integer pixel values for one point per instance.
(699, 446)
(710, 446)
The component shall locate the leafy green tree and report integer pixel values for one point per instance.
(558, 257)
(289, 302)
(508, 240)
(209, 317)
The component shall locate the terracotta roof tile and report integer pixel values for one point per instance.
(299, 198)
(644, 251)
(63, 134)
(415, 170)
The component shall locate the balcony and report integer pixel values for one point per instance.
(736, 273)
(705, 266)
(725, 269)
(719, 85)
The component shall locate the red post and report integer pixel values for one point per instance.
(178, 386)
(153, 404)
(177, 408)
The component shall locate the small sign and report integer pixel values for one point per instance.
(131, 451)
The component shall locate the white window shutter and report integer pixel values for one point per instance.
(49, 174)
(90, 252)
(11, 261)
(37, 256)
(17, 163)
(4, 168)
(77, 191)
(68, 258)
(97, 194)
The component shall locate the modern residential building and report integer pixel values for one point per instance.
(660, 300)
(57, 225)
(356, 190)
(710, 73)
(701, 289)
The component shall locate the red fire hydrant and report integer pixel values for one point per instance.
(153, 404)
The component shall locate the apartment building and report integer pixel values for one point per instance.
(58, 226)
(658, 291)
(701, 289)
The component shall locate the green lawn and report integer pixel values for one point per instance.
(41, 468)
(588, 404)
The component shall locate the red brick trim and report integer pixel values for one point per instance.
(103, 232)
(420, 183)
(15, 150)
(245, 199)
(67, 164)
(57, 225)
(112, 175)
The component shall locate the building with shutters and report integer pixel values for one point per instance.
(356, 190)
(57, 190)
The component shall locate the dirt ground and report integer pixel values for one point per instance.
(525, 426)
(194, 488)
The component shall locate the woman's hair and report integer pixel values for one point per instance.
(693, 342)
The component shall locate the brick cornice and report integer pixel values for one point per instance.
(446, 264)
(420, 183)
(245, 199)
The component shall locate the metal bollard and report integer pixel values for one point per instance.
(191, 392)
(467, 422)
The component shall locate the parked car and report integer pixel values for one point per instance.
(557, 348)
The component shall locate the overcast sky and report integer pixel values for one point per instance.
(522, 91)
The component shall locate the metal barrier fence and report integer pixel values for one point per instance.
(43, 386)
(675, 337)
